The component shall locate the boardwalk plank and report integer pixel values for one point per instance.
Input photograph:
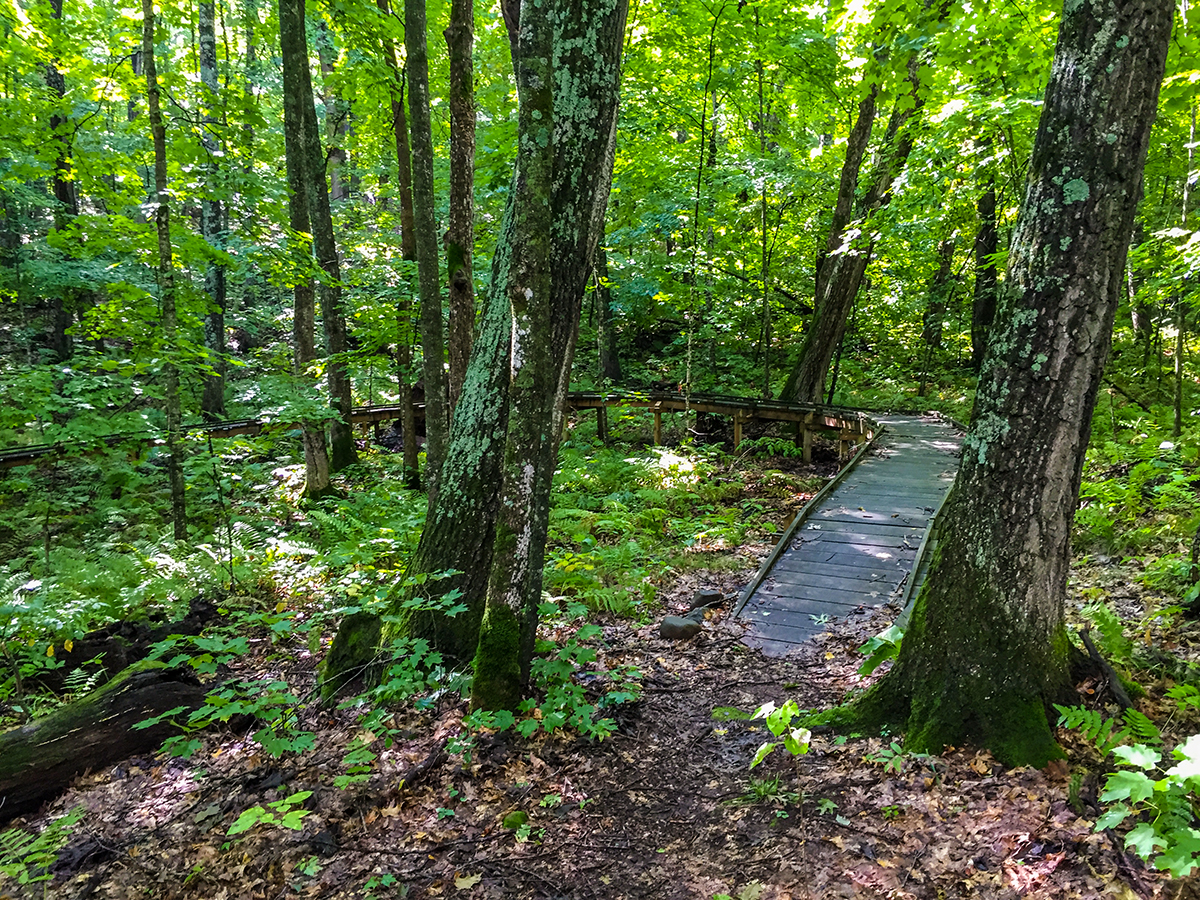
(856, 549)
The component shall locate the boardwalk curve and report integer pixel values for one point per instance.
(856, 544)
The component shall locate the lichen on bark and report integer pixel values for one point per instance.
(987, 649)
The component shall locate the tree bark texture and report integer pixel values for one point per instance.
(294, 53)
(166, 277)
(460, 236)
(316, 456)
(212, 402)
(987, 648)
(433, 344)
(841, 272)
(533, 377)
(460, 530)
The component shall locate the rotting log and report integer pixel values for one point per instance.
(39, 760)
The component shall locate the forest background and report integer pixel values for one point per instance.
(730, 193)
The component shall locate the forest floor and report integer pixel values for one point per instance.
(667, 807)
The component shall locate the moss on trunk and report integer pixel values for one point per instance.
(497, 683)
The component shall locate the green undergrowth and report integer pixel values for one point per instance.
(623, 520)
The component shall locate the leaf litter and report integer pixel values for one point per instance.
(665, 808)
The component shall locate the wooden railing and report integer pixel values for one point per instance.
(850, 426)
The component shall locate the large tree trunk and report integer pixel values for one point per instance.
(987, 648)
(294, 54)
(212, 403)
(433, 342)
(316, 457)
(39, 761)
(840, 272)
(460, 236)
(460, 528)
(166, 277)
(408, 251)
(510, 613)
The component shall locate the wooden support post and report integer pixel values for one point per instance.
(737, 429)
(808, 436)
(602, 423)
(845, 439)
(657, 424)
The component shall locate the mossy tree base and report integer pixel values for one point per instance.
(354, 648)
(497, 682)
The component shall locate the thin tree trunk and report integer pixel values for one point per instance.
(294, 53)
(212, 403)
(987, 648)
(408, 252)
(606, 334)
(316, 458)
(460, 236)
(939, 292)
(433, 345)
(67, 200)
(841, 273)
(166, 277)
(1180, 305)
(987, 243)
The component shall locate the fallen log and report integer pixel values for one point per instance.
(39, 760)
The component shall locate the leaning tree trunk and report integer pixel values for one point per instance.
(460, 236)
(987, 648)
(459, 531)
(840, 272)
(316, 456)
(433, 342)
(166, 277)
(212, 402)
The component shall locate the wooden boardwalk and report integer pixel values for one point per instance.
(856, 543)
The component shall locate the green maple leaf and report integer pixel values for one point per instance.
(1144, 839)
(1180, 859)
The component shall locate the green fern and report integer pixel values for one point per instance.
(1112, 634)
(1186, 697)
(1142, 728)
(1102, 732)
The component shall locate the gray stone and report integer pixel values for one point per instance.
(681, 628)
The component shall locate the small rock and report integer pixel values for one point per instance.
(680, 628)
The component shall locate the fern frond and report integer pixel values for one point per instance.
(1142, 728)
